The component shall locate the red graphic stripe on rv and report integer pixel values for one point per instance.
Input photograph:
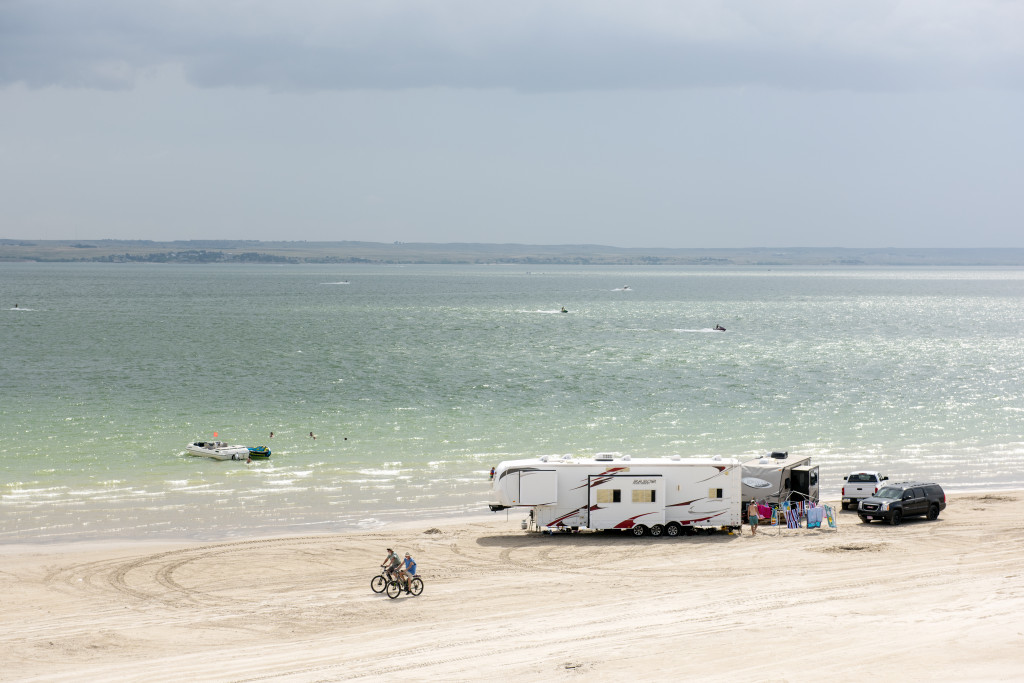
(700, 519)
(631, 522)
(558, 522)
(688, 502)
(603, 477)
(720, 468)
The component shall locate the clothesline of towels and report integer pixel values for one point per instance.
(793, 512)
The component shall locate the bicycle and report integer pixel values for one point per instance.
(380, 582)
(394, 587)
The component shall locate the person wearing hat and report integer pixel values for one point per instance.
(408, 570)
(392, 561)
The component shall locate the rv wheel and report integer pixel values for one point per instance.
(673, 529)
(657, 530)
(639, 530)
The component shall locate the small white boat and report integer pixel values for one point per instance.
(218, 450)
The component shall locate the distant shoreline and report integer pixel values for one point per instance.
(347, 252)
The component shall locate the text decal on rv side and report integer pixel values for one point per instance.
(642, 481)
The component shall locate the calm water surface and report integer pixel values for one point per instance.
(416, 380)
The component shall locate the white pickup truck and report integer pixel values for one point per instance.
(860, 485)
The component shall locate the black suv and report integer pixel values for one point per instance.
(895, 501)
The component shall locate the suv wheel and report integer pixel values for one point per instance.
(897, 517)
(933, 511)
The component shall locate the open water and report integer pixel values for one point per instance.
(416, 380)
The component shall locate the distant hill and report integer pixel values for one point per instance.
(254, 251)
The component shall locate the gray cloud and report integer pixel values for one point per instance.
(530, 45)
(632, 123)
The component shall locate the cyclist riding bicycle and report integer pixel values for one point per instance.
(391, 562)
(408, 571)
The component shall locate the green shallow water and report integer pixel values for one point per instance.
(416, 380)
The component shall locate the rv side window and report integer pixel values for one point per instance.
(643, 496)
(714, 493)
(609, 496)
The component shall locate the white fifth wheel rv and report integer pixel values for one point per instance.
(639, 495)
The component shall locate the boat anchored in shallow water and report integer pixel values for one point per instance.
(218, 450)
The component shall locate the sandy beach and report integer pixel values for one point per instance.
(926, 600)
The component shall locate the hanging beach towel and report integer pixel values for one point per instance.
(792, 519)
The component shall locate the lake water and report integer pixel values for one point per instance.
(416, 380)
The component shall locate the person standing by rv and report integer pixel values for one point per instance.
(392, 561)
(752, 517)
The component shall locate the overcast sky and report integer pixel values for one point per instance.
(639, 123)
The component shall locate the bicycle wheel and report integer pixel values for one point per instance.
(393, 589)
(416, 586)
(378, 584)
